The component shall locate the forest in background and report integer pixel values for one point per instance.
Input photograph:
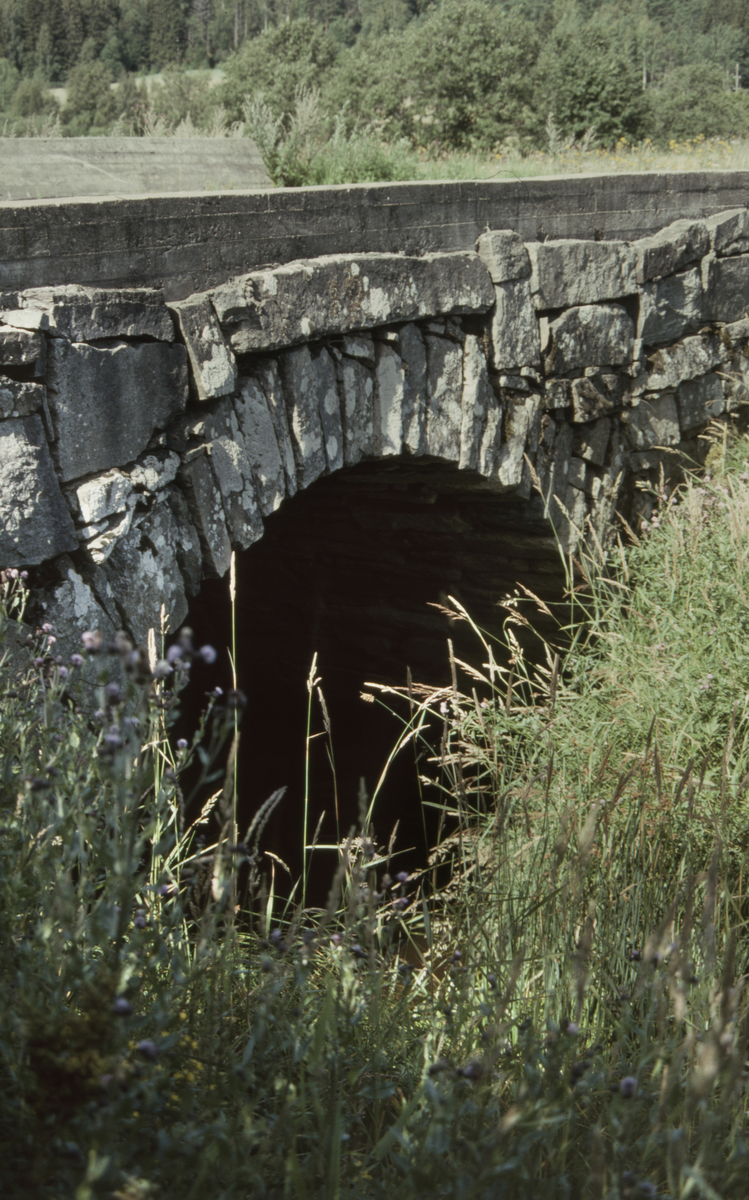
(493, 76)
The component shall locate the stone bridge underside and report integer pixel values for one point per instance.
(142, 441)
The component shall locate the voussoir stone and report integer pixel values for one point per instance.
(337, 294)
(515, 330)
(444, 397)
(729, 231)
(477, 401)
(301, 393)
(35, 523)
(389, 389)
(84, 314)
(213, 367)
(19, 399)
(726, 287)
(412, 349)
(674, 247)
(670, 307)
(356, 389)
(569, 272)
(107, 401)
(261, 444)
(505, 255)
(590, 335)
(143, 573)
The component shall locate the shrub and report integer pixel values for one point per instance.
(31, 98)
(91, 104)
(9, 78)
(693, 101)
(296, 55)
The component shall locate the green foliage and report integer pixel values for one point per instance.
(278, 63)
(693, 101)
(9, 79)
(91, 104)
(31, 97)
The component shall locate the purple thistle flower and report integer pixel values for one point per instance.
(628, 1087)
(208, 654)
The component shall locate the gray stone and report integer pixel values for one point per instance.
(591, 442)
(270, 379)
(261, 444)
(71, 607)
(300, 388)
(557, 394)
(577, 272)
(592, 398)
(726, 286)
(590, 335)
(356, 387)
(687, 360)
(576, 473)
(19, 347)
(26, 318)
(84, 314)
(34, 520)
(670, 307)
(444, 397)
(729, 232)
(359, 346)
(107, 401)
(102, 496)
(107, 535)
(699, 400)
(337, 294)
(20, 399)
(214, 370)
(154, 471)
(330, 409)
(476, 403)
(735, 334)
(523, 425)
(232, 472)
(413, 354)
(515, 333)
(674, 247)
(490, 446)
(505, 255)
(187, 544)
(207, 515)
(143, 573)
(653, 423)
(389, 388)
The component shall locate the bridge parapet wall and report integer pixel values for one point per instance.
(141, 441)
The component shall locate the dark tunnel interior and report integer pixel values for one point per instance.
(349, 569)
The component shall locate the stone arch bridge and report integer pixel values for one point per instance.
(174, 370)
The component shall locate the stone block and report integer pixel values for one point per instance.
(300, 388)
(107, 401)
(653, 423)
(476, 402)
(207, 515)
(85, 314)
(360, 346)
(233, 475)
(590, 335)
(338, 294)
(672, 365)
(213, 367)
(261, 444)
(591, 442)
(515, 332)
(20, 347)
(568, 272)
(72, 608)
(20, 399)
(594, 396)
(726, 286)
(504, 255)
(187, 544)
(490, 445)
(26, 318)
(154, 471)
(729, 232)
(102, 496)
(143, 573)
(356, 389)
(35, 523)
(670, 307)
(444, 397)
(411, 347)
(576, 472)
(699, 401)
(522, 429)
(672, 248)
(330, 408)
(270, 379)
(389, 389)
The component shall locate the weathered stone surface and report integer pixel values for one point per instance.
(476, 403)
(654, 422)
(359, 346)
(316, 298)
(207, 515)
(490, 445)
(515, 334)
(154, 471)
(103, 495)
(356, 389)
(413, 354)
(591, 442)
(576, 472)
(300, 388)
(19, 399)
(676, 246)
(590, 335)
(594, 396)
(687, 360)
(389, 387)
(504, 255)
(25, 318)
(270, 379)
(670, 307)
(444, 397)
(261, 444)
(726, 286)
(699, 400)
(107, 401)
(522, 428)
(84, 314)
(187, 545)
(213, 368)
(330, 409)
(34, 520)
(18, 347)
(143, 573)
(565, 273)
(232, 472)
(729, 232)
(72, 608)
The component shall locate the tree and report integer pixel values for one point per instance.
(168, 20)
(277, 63)
(9, 80)
(694, 102)
(91, 103)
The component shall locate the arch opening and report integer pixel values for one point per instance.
(350, 569)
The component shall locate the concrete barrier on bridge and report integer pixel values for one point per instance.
(39, 168)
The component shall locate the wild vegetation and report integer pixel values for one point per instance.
(555, 1006)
